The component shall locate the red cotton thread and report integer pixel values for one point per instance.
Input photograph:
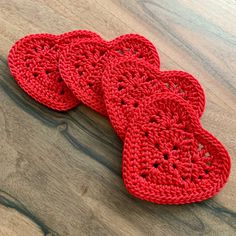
(168, 157)
(33, 62)
(83, 63)
(129, 82)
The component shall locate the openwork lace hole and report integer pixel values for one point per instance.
(200, 177)
(206, 172)
(155, 165)
(168, 127)
(174, 166)
(158, 114)
(132, 73)
(47, 72)
(120, 87)
(146, 134)
(135, 104)
(186, 129)
(80, 73)
(102, 53)
(167, 85)
(152, 120)
(149, 79)
(207, 154)
(60, 80)
(77, 65)
(120, 51)
(141, 74)
(125, 74)
(200, 147)
(90, 84)
(93, 64)
(166, 156)
(93, 51)
(175, 147)
(209, 163)
(122, 102)
(62, 92)
(144, 175)
(186, 138)
(84, 55)
(35, 74)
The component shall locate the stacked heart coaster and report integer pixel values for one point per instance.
(168, 157)
(33, 62)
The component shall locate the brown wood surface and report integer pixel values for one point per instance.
(60, 173)
(15, 224)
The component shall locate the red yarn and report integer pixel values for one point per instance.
(83, 63)
(168, 157)
(128, 82)
(33, 62)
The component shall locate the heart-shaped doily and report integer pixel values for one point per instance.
(128, 83)
(168, 157)
(82, 64)
(33, 62)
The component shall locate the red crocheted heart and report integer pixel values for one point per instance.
(127, 83)
(82, 64)
(33, 62)
(168, 157)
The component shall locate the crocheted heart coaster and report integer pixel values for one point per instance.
(82, 64)
(127, 83)
(168, 157)
(33, 62)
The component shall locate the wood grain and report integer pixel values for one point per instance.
(60, 173)
(14, 224)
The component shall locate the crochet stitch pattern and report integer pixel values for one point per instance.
(83, 63)
(168, 157)
(33, 62)
(129, 82)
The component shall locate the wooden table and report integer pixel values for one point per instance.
(60, 173)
